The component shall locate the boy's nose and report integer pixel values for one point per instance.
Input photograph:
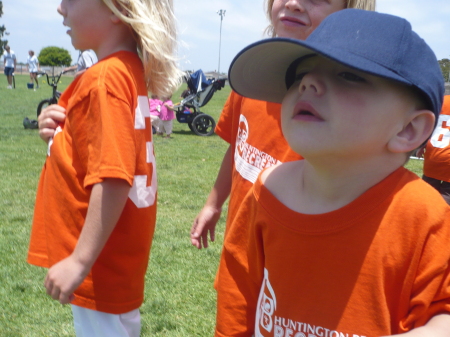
(312, 82)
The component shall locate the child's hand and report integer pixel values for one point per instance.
(205, 222)
(420, 152)
(64, 278)
(49, 119)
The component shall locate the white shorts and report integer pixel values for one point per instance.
(166, 126)
(90, 323)
(155, 122)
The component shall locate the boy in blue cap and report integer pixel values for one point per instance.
(346, 242)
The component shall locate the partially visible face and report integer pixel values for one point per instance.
(298, 18)
(334, 110)
(88, 22)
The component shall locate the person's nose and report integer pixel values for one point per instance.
(60, 9)
(312, 82)
(295, 5)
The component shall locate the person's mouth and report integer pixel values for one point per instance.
(292, 21)
(304, 111)
(66, 25)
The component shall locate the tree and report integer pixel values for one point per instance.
(2, 31)
(445, 68)
(54, 56)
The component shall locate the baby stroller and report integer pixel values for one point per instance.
(200, 90)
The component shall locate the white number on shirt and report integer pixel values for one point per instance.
(441, 135)
(141, 194)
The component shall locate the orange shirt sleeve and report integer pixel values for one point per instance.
(111, 152)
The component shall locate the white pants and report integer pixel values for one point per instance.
(91, 323)
(166, 126)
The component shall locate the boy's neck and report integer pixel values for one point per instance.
(316, 188)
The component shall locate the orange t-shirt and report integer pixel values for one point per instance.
(253, 129)
(437, 154)
(106, 134)
(377, 266)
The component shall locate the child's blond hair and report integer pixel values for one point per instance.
(154, 25)
(368, 5)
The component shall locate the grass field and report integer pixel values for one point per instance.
(180, 300)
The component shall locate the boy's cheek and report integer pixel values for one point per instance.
(284, 113)
(288, 104)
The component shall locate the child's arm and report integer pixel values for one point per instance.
(106, 204)
(207, 219)
(437, 326)
(169, 105)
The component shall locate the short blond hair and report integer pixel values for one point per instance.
(368, 5)
(154, 26)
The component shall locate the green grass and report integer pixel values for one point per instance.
(180, 300)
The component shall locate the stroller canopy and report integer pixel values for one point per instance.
(197, 81)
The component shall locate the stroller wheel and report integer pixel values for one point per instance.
(190, 127)
(203, 125)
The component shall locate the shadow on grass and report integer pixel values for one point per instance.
(190, 133)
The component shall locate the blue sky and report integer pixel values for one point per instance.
(34, 24)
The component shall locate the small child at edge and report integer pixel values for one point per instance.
(346, 242)
(166, 117)
(155, 110)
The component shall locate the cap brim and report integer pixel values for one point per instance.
(259, 70)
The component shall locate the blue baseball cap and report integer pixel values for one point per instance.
(379, 44)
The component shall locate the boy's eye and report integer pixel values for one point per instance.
(351, 77)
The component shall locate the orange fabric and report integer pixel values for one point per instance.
(378, 266)
(104, 136)
(253, 129)
(437, 154)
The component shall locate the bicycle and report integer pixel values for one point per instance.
(52, 80)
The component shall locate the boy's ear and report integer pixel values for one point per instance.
(419, 126)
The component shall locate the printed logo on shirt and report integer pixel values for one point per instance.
(249, 160)
(267, 303)
(441, 134)
(267, 323)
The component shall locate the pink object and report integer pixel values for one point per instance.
(166, 114)
(155, 106)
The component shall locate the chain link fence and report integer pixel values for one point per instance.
(22, 69)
